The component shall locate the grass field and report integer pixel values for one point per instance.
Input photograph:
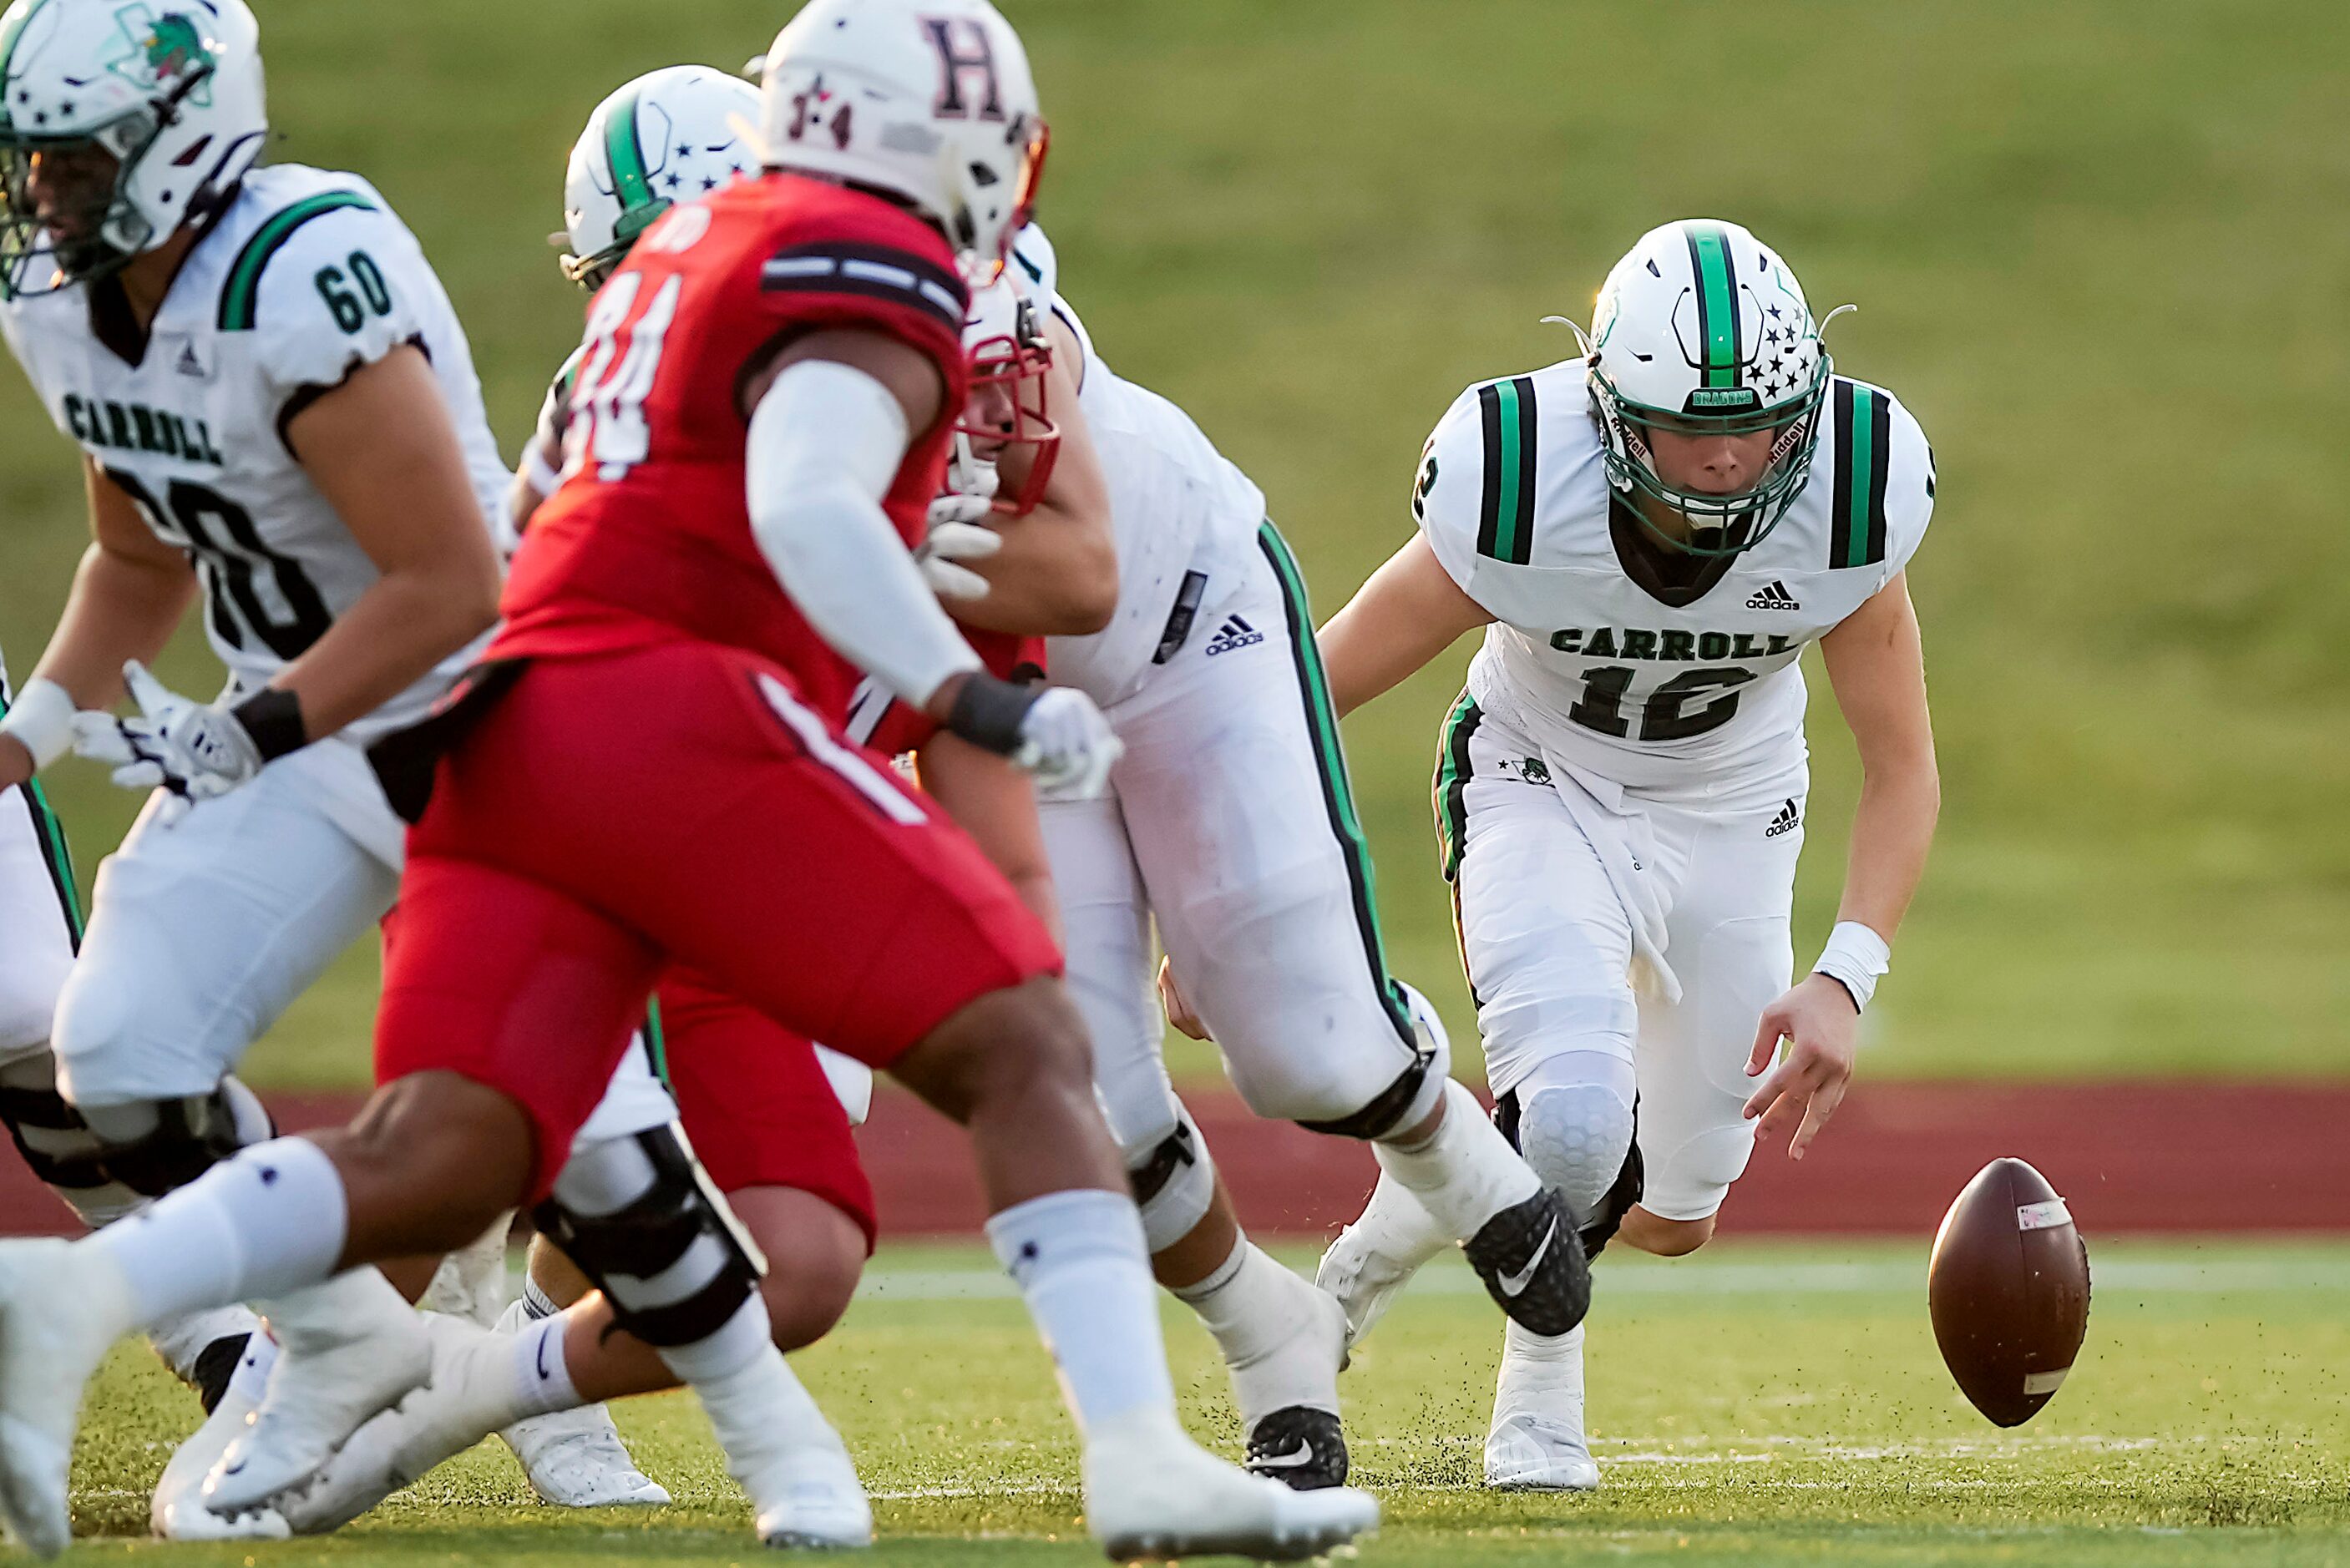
(2099, 249)
(1757, 1404)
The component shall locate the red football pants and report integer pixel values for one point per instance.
(610, 817)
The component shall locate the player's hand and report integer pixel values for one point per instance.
(194, 751)
(958, 535)
(1803, 1091)
(1067, 744)
(1178, 1012)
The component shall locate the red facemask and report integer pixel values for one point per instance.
(1014, 365)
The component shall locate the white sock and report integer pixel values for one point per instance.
(536, 1303)
(542, 1373)
(267, 1222)
(1541, 1374)
(735, 1346)
(1466, 1172)
(1079, 1261)
(1256, 1309)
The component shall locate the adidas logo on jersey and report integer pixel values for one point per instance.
(1772, 596)
(1234, 633)
(1790, 818)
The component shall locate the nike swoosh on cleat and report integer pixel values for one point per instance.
(1512, 1284)
(1302, 1454)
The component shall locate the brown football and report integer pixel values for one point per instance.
(2009, 1286)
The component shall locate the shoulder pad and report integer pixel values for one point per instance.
(241, 293)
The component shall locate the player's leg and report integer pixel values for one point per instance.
(1732, 949)
(574, 1459)
(930, 968)
(1245, 824)
(1281, 1338)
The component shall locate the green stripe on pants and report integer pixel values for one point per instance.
(1338, 794)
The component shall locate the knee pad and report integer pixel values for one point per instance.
(1575, 1137)
(151, 1147)
(1174, 1182)
(641, 1218)
(57, 1145)
(1412, 1096)
(1605, 1210)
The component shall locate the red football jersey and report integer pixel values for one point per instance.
(648, 539)
(883, 723)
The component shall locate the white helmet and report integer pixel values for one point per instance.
(669, 136)
(1703, 328)
(148, 113)
(926, 100)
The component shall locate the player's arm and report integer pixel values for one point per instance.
(383, 451)
(1057, 575)
(996, 805)
(128, 596)
(1876, 662)
(1409, 611)
(831, 418)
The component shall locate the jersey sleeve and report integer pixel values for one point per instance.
(880, 269)
(1473, 498)
(1881, 493)
(327, 285)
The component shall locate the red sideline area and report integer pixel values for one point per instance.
(2207, 1156)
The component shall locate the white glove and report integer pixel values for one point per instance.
(1067, 744)
(957, 534)
(190, 749)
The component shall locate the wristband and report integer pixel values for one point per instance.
(41, 719)
(271, 718)
(988, 712)
(1856, 955)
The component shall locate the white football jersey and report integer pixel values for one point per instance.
(307, 276)
(1513, 499)
(1178, 506)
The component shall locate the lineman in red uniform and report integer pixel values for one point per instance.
(644, 774)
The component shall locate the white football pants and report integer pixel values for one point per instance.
(1547, 941)
(1229, 821)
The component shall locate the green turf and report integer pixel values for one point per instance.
(1760, 1404)
(2098, 247)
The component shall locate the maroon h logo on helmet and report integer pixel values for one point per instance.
(965, 58)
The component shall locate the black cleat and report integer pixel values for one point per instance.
(1531, 1258)
(1300, 1447)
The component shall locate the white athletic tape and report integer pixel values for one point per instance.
(2046, 1216)
(2044, 1382)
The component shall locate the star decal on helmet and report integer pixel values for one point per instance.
(160, 53)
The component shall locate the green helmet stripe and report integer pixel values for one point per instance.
(1717, 306)
(628, 157)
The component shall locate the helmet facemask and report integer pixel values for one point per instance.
(99, 228)
(1017, 422)
(1736, 523)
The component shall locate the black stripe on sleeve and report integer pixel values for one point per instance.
(1489, 508)
(1880, 454)
(1840, 502)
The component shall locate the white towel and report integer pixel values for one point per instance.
(1620, 830)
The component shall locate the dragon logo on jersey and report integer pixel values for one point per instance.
(159, 53)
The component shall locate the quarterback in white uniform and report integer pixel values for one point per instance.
(278, 414)
(1649, 536)
(1229, 828)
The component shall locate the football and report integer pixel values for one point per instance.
(2009, 1288)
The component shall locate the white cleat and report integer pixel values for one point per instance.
(810, 1500)
(1151, 1492)
(1537, 1441)
(1378, 1255)
(468, 1396)
(348, 1349)
(574, 1459)
(178, 1511)
(62, 1307)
